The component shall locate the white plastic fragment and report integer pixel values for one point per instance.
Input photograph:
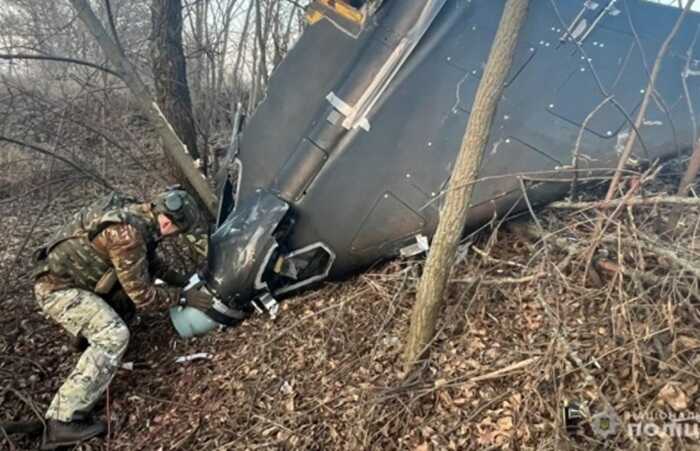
(339, 104)
(191, 357)
(621, 141)
(286, 388)
(421, 245)
(194, 280)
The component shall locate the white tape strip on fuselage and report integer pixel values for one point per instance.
(357, 116)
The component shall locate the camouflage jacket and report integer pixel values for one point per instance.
(114, 238)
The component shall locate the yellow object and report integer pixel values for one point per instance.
(341, 8)
(313, 16)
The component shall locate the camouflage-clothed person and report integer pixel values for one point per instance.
(88, 279)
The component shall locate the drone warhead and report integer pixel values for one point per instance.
(240, 251)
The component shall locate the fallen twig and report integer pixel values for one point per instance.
(504, 371)
(631, 202)
(662, 251)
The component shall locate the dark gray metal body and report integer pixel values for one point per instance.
(366, 194)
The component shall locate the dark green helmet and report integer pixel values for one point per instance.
(178, 205)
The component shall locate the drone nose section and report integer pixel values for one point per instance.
(242, 247)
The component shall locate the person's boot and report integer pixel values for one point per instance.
(60, 433)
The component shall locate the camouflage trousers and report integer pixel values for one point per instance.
(81, 312)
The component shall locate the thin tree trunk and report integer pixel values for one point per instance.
(453, 215)
(242, 48)
(221, 77)
(694, 164)
(691, 173)
(261, 34)
(254, 79)
(197, 34)
(171, 142)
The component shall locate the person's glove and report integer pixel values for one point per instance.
(198, 299)
(174, 278)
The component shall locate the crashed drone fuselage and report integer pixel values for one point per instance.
(345, 161)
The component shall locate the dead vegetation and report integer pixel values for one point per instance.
(529, 327)
(523, 335)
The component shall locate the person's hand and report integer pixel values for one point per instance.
(198, 299)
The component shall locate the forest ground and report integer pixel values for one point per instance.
(521, 337)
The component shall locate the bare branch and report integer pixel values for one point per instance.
(632, 201)
(47, 152)
(60, 59)
(113, 29)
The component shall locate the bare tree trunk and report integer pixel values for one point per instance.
(261, 34)
(694, 165)
(242, 48)
(222, 66)
(453, 215)
(254, 79)
(691, 173)
(171, 142)
(197, 32)
(169, 71)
